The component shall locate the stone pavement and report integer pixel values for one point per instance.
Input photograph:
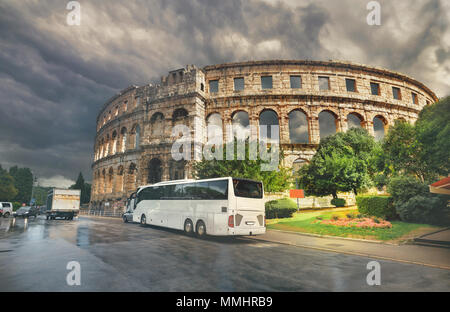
(407, 253)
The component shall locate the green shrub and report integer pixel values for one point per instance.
(334, 217)
(280, 208)
(16, 205)
(376, 206)
(413, 202)
(351, 215)
(338, 202)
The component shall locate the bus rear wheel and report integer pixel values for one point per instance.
(188, 227)
(201, 229)
(143, 220)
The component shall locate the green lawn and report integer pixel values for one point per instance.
(305, 222)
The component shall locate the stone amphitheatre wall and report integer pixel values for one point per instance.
(134, 128)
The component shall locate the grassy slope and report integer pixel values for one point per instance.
(304, 222)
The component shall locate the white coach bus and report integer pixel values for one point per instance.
(221, 206)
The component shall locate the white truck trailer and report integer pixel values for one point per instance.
(63, 203)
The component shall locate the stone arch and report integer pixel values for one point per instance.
(103, 182)
(154, 171)
(107, 146)
(213, 119)
(328, 123)
(298, 127)
(102, 148)
(157, 124)
(135, 136)
(114, 142)
(355, 120)
(177, 170)
(123, 143)
(119, 187)
(110, 180)
(131, 177)
(380, 126)
(298, 163)
(180, 116)
(240, 121)
(269, 118)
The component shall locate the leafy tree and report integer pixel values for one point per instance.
(343, 163)
(84, 187)
(402, 151)
(7, 189)
(421, 150)
(433, 134)
(23, 182)
(273, 181)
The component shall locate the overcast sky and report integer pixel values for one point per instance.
(54, 77)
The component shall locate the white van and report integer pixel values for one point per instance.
(6, 209)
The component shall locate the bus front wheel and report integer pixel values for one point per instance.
(143, 220)
(188, 227)
(201, 229)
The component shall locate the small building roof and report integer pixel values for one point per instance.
(441, 187)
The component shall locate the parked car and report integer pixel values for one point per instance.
(26, 212)
(127, 216)
(6, 209)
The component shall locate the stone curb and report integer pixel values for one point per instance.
(338, 237)
(356, 254)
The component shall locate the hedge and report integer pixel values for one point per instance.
(377, 206)
(280, 208)
(338, 202)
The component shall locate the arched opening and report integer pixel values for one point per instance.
(297, 164)
(107, 146)
(240, 122)
(180, 116)
(354, 121)
(298, 127)
(114, 142)
(103, 182)
(109, 186)
(123, 145)
(176, 170)
(154, 171)
(379, 127)
(102, 148)
(157, 124)
(135, 136)
(119, 179)
(268, 118)
(131, 177)
(215, 121)
(327, 124)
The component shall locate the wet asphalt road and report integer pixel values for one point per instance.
(128, 257)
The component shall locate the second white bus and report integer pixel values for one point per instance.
(221, 206)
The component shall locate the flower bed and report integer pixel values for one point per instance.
(359, 222)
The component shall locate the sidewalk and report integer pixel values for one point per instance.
(439, 238)
(414, 254)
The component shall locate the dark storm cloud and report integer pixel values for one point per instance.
(55, 77)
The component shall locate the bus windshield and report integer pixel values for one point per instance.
(247, 188)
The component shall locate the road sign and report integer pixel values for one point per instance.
(297, 193)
